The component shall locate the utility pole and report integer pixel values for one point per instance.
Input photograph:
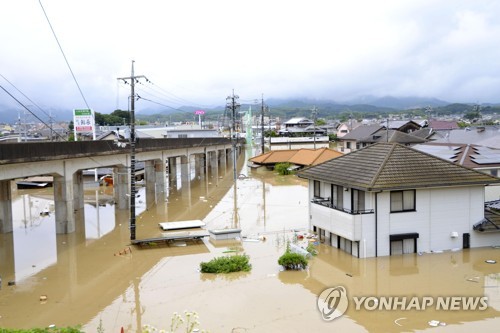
(314, 113)
(232, 105)
(133, 78)
(262, 110)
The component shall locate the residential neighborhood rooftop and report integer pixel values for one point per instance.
(488, 136)
(471, 156)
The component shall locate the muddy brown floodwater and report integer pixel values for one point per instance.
(94, 278)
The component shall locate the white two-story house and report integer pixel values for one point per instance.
(389, 199)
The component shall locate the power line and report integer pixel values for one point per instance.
(48, 115)
(167, 106)
(65, 59)
(24, 106)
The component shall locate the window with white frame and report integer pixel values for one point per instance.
(402, 201)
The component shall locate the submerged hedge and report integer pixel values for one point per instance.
(228, 264)
(294, 261)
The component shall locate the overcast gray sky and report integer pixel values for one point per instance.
(196, 51)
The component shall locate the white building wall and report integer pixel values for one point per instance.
(441, 218)
(440, 213)
(492, 192)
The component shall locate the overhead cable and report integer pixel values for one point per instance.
(65, 59)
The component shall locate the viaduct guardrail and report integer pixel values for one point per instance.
(23, 152)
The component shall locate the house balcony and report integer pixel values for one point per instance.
(343, 222)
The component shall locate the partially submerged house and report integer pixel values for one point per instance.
(389, 199)
(297, 157)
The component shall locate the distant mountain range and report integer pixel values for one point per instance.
(360, 104)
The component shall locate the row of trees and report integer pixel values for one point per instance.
(117, 117)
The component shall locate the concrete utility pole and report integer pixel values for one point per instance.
(232, 105)
(314, 113)
(133, 78)
(262, 110)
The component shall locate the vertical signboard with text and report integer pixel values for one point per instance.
(83, 121)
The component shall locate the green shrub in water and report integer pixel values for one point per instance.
(291, 260)
(227, 264)
(282, 168)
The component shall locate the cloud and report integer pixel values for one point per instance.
(196, 52)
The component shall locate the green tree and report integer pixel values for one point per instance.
(282, 168)
(472, 115)
(320, 122)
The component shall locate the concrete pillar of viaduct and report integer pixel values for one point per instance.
(185, 168)
(223, 158)
(64, 204)
(214, 165)
(150, 179)
(5, 207)
(160, 176)
(120, 186)
(79, 197)
(198, 165)
(155, 175)
(172, 169)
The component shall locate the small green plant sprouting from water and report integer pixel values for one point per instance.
(190, 322)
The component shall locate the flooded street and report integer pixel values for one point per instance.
(94, 277)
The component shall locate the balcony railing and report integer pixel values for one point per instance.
(326, 202)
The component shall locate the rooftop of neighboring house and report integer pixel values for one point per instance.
(391, 166)
(383, 135)
(424, 133)
(471, 156)
(440, 125)
(398, 124)
(308, 129)
(303, 156)
(362, 131)
(298, 121)
(488, 136)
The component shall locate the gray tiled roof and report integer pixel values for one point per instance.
(361, 132)
(390, 166)
(423, 133)
(383, 135)
(488, 136)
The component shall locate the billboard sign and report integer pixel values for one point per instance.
(83, 120)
